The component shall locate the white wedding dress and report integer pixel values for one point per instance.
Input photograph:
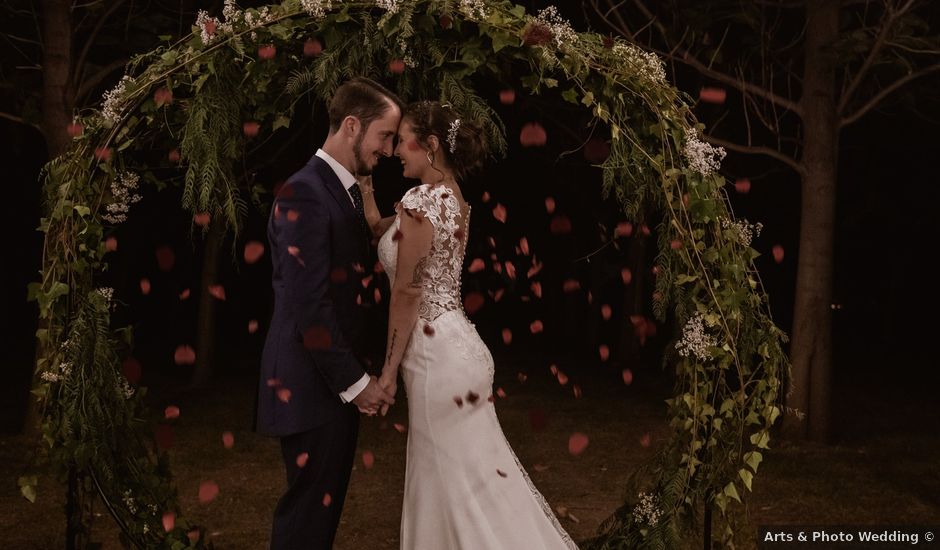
(464, 487)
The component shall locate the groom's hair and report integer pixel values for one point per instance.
(362, 98)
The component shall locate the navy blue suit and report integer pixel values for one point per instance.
(319, 251)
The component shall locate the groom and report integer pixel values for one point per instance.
(311, 379)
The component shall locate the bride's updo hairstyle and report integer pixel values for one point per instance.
(461, 141)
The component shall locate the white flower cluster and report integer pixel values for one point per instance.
(129, 502)
(406, 57)
(259, 18)
(646, 64)
(50, 376)
(65, 369)
(114, 99)
(391, 6)
(208, 26)
(694, 340)
(743, 231)
(316, 8)
(123, 387)
(473, 9)
(121, 188)
(562, 32)
(703, 157)
(647, 510)
(107, 292)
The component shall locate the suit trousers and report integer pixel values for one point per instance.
(305, 517)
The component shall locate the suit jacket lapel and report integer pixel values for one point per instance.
(335, 187)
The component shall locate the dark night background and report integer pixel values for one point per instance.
(885, 284)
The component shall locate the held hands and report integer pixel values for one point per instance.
(388, 382)
(374, 397)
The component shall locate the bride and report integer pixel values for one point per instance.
(464, 486)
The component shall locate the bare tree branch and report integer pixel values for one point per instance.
(89, 42)
(887, 23)
(885, 92)
(19, 120)
(757, 150)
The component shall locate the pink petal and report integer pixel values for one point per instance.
(577, 443)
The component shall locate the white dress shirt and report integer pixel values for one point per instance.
(348, 180)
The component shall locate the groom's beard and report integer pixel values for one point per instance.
(362, 169)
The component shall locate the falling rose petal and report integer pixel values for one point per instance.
(536, 287)
(656, 271)
(476, 265)
(327, 500)
(378, 268)
(510, 270)
(562, 378)
(174, 156)
(553, 369)
(603, 351)
(590, 297)
(429, 330)
(577, 391)
(472, 397)
(312, 47)
(74, 129)
(251, 128)
(169, 521)
(165, 258)
(459, 401)
(743, 186)
(267, 52)
(778, 253)
(131, 370)
(184, 355)
(645, 440)
(473, 302)
(501, 393)
(533, 135)
(184, 295)
(202, 219)
(228, 440)
(358, 268)
(486, 196)
(624, 229)
(446, 22)
(252, 326)
(283, 394)
(377, 295)
(317, 337)
(501, 473)
(111, 244)
(217, 292)
(675, 244)
(366, 281)
(193, 535)
(396, 66)
(458, 234)
(145, 286)
(626, 275)
(522, 377)
(645, 230)
(540, 467)
(163, 434)
(368, 459)
(497, 267)
(596, 151)
(524, 246)
(172, 412)
(398, 235)
(627, 376)
(606, 312)
(537, 419)
(713, 95)
(550, 205)
(162, 96)
(273, 382)
(577, 443)
(507, 336)
(295, 252)
(103, 154)
(499, 212)
(560, 225)
(507, 96)
(253, 251)
(536, 327)
(571, 285)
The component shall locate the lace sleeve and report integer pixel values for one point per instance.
(421, 200)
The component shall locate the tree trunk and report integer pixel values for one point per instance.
(57, 94)
(206, 323)
(811, 349)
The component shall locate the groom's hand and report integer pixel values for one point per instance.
(390, 385)
(373, 397)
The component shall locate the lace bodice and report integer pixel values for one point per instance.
(440, 273)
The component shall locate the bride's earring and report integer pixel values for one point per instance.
(430, 158)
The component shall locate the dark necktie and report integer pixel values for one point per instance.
(357, 202)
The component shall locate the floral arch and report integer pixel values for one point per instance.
(181, 98)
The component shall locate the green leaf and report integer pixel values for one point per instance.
(571, 96)
(761, 439)
(753, 459)
(732, 491)
(502, 40)
(281, 122)
(746, 477)
(588, 99)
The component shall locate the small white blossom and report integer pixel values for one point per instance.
(316, 8)
(65, 368)
(129, 502)
(406, 57)
(391, 6)
(646, 64)
(473, 9)
(743, 231)
(50, 376)
(255, 19)
(647, 510)
(702, 157)
(695, 341)
(106, 291)
(146, 529)
(208, 26)
(114, 99)
(562, 33)
(122, 189)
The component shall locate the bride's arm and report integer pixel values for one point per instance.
(377, 223)
(414, 244)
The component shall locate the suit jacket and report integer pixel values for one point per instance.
(318, 251)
